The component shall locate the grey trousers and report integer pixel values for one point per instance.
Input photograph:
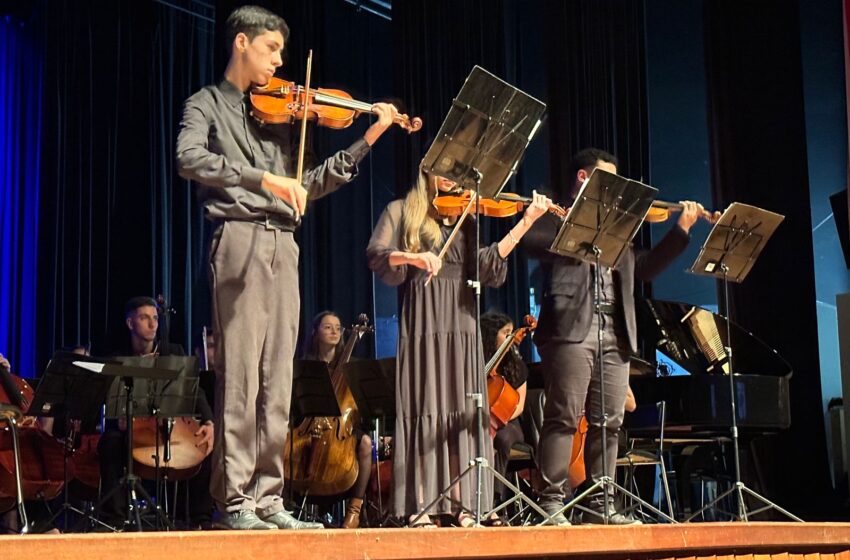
(254, 274)
(572, 387)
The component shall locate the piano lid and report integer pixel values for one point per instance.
(694, 338)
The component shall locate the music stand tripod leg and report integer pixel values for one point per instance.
(66, 506)
(12, 422)
(738, 488)
(130, 483)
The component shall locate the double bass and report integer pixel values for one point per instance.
(323, 456)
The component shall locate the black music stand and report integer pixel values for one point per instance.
(729, 254)
(163, 400)
(599, 229)
(130, 483)
(76, 393)
(479, 146)
(313, 395)
(372, 384)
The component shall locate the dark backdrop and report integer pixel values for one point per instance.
(758, 155)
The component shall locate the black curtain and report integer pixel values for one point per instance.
(115, 219)
(758, 156)
(437, 43)
(597, 84)
(349, 54)
(596, 70)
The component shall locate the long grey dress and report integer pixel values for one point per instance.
(435, 430)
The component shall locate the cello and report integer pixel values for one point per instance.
(503, 401)
(41, 456)
(502, 397)
(321, 458)
(168, 445)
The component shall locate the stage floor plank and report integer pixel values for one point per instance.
(714, 541)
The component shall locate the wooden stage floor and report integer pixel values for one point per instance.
(753, 541)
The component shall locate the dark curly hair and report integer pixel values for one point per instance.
(491, 323)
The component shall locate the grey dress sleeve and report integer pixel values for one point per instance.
(386, 238)
(494, 269)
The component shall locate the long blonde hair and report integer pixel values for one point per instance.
(420, 231)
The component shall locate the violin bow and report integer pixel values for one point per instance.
(454, 232)
(299, 174)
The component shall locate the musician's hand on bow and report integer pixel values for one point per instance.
(288, 190)
(207, 435)
(4, 363)
(427, 261)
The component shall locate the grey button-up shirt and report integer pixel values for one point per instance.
(224, 149)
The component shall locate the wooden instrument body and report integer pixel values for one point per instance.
(41, 455)
(324, 449)
(185, 455)
(325, 452)
(577, 473)
(283, 102)
(85, 462)
(503, 398)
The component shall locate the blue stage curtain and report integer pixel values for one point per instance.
(21, 64)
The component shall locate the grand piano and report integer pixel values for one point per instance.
(691, 372)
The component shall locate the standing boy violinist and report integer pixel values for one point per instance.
(246, 186)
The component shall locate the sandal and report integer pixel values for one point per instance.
(465, 520)
(423, 522)
(494, 520)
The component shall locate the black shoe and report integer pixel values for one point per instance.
(555, 517)
(594, 514)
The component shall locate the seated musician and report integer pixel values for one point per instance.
(37, 511)
(495, 328)
(326, 343)
(142, 320)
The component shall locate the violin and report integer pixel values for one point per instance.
(506, 205)
(659, 211)
(281, 101)
(502, 397)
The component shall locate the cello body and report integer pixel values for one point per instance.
(41, 455)
(577, 473)
(323, 459)
(184, 457)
